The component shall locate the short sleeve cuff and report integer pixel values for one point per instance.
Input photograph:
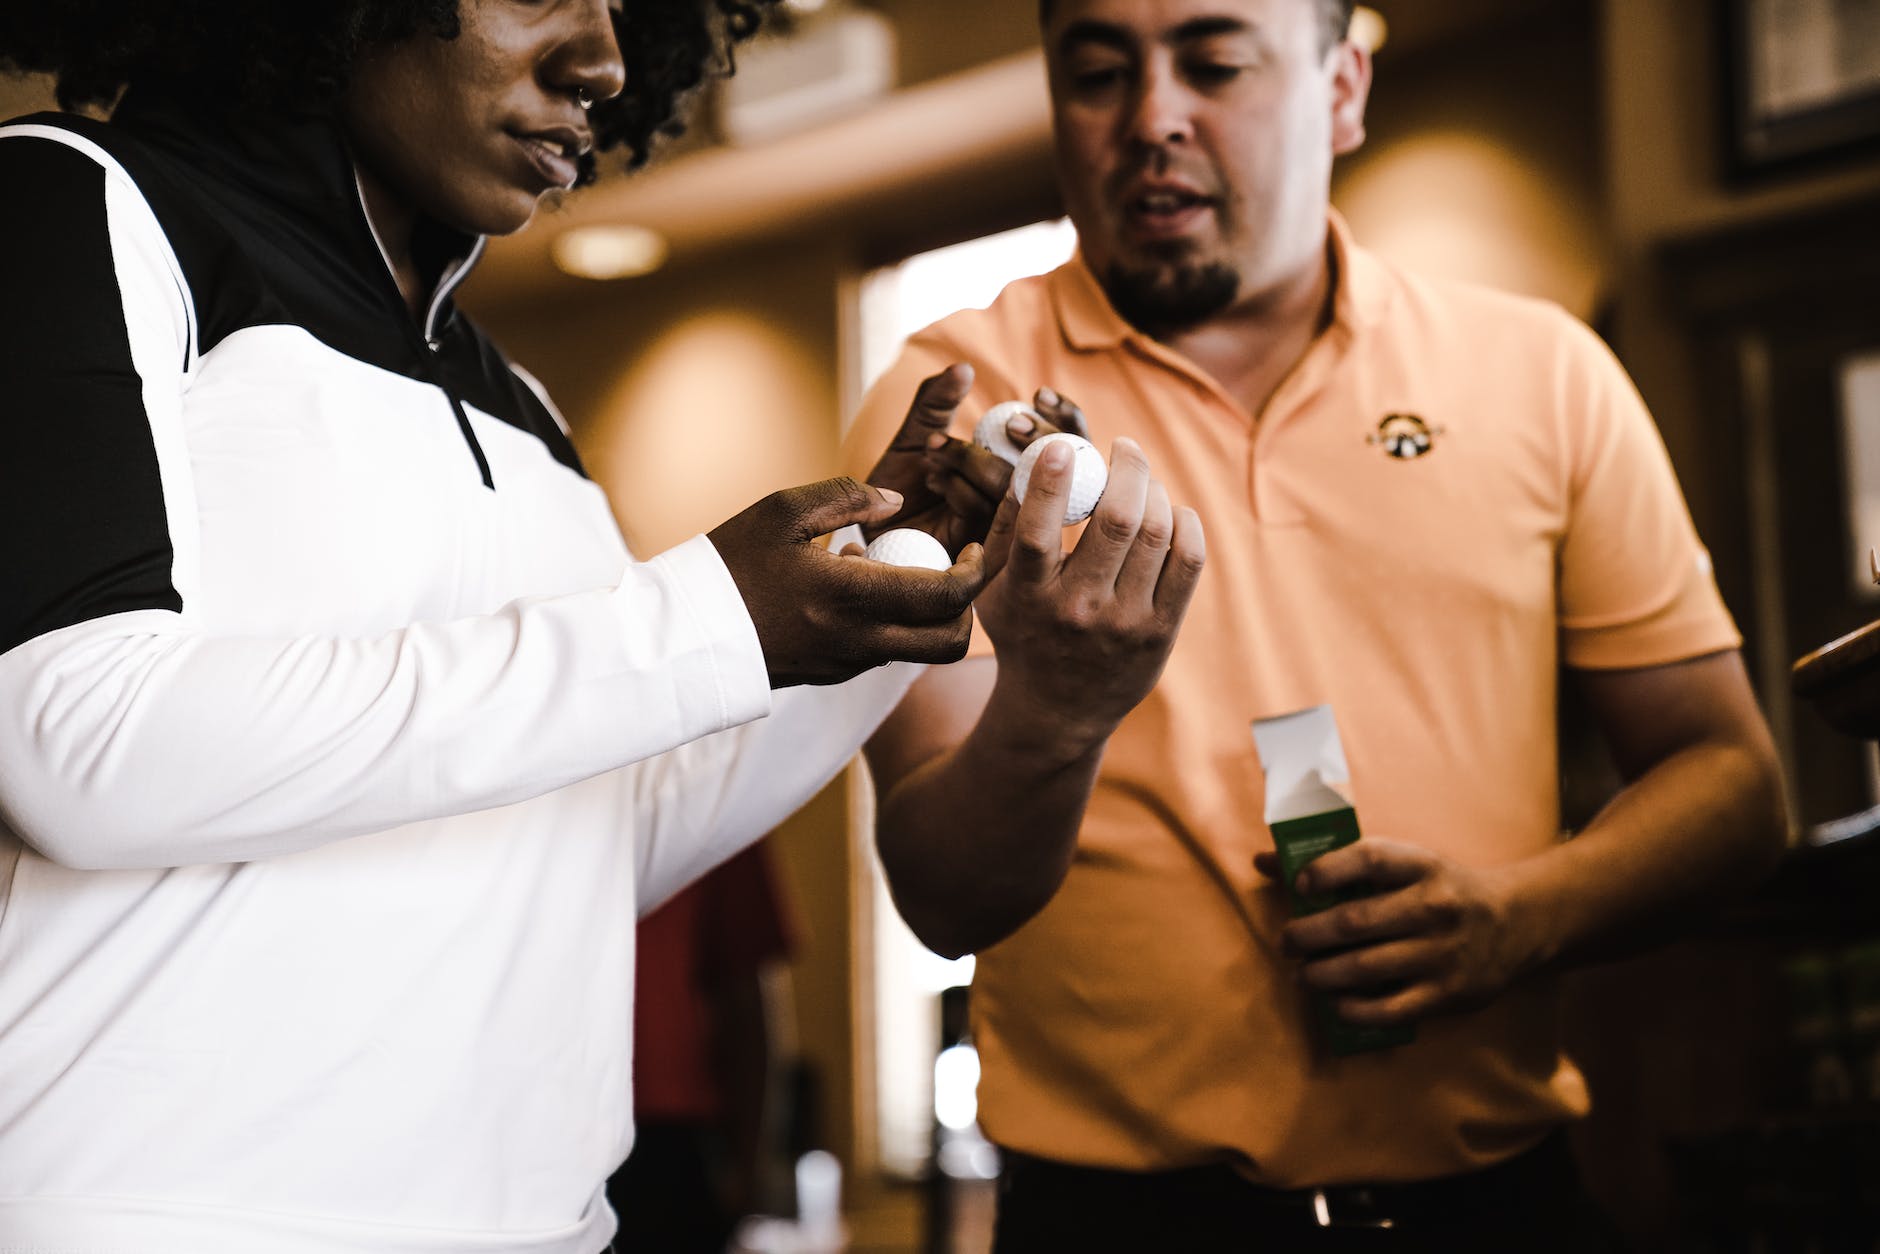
(1694, 623)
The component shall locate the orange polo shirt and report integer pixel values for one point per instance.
(1455, 492)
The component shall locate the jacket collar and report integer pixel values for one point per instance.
(300, 167)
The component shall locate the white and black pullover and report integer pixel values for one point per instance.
(339, 733)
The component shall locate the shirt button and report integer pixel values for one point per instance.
(434, 344)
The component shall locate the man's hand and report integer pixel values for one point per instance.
(953, 487)
(1700, 819)
(1081, 638)
(1437, 936)
(824, 617)
(984, 771)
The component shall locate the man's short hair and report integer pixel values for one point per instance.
(1336, 15)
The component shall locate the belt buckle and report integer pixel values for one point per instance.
(1326, 1215)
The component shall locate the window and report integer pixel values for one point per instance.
(907, 979)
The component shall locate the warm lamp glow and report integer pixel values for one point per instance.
(1473, 206)
(719, 409)
(1368, 28)
(609, 252)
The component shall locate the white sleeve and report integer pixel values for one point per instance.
(136, 741)
(699, 804)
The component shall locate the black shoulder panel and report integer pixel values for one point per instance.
(81, 498)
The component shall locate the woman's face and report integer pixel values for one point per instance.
(471, 131)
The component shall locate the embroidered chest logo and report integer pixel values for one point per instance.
(1404, 436)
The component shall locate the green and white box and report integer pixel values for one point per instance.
(1309, 811)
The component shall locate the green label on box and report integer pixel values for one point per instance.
(1299, 841)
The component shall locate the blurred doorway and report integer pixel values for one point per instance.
(906, 979)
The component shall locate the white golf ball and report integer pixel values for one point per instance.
(904, 546)
(990, 433)
(1089, 476)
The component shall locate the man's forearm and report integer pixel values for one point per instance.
(977, 840)
(1702, 824)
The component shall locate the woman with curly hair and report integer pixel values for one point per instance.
(336, 721)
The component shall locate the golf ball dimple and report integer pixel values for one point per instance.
(1089, 476)
(990, 433)
(904, 546)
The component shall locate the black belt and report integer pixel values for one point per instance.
(1535, 1182)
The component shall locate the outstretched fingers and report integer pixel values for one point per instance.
(932, 411)
(1107, 541)
(1181, 570)
(1142, 566)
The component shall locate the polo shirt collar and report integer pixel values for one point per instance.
(1084, 313)
(1089, 323)
(300, 166)
(1363, 283)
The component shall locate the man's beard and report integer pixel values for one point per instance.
(1162, 299)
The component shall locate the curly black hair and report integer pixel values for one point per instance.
(296, 57)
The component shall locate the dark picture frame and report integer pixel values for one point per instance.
(1802, 83)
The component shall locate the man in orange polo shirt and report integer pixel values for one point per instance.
(1421, 500)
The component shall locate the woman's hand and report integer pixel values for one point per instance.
(824, 617)
(952, 487)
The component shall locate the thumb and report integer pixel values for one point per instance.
(970, 566)
(821, 508)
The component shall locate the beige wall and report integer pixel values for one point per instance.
(1483, 162)
(695, 391)
(940, 39)
(1662, 95)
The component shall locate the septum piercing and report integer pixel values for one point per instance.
(582, 98)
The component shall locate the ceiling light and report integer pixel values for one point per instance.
(609, 252)
(1368, 28)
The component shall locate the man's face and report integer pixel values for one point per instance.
(471, 131)
(1194, 143)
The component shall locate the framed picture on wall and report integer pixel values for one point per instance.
(1860, 454)
(1802, 81)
